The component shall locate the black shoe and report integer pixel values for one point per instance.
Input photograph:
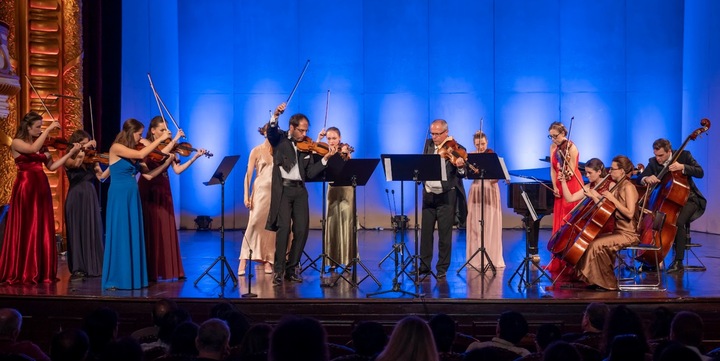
(646, 268)
(277, 279)
(676, 266)
(292, 277)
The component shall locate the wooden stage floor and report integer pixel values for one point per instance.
(472, 299)
(201, 248)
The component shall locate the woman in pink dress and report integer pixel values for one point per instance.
(161, 238)
(257, 238)
(29, 253)
(563, 160)
(493, 214)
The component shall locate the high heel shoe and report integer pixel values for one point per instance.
(268, 268)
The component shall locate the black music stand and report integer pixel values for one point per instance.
(322, 257)
(354, 172)
(530, 221)
(489, 166)
(219, 177)
(416, 168)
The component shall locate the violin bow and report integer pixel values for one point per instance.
(327, 106)
(160, 103)
(297, 82)
(42, 101)
(92, 118)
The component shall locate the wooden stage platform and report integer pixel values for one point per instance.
(473, 299)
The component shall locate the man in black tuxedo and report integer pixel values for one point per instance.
(695, 206)
(289, 199)
(439, 198)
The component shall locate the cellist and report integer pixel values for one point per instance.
(695, 206)
(597, 264)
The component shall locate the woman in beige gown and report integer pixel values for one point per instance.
(597, 265)
(339, 245)
(257, 238)
(493, 214)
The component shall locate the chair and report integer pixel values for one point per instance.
(635, 282)
(689, 246)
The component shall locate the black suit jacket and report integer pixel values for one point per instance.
(692, 170)
(454, 178)
(284, 156)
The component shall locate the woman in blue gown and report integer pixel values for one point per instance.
(124, 263)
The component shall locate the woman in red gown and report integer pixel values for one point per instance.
(563, 160)
(161, 238)
(29, 253)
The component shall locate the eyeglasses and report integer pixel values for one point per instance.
(437, 134)
(551, 136)
(612, 169)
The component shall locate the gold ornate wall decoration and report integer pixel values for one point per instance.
(46, 41)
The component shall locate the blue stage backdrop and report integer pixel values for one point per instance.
(392, 67)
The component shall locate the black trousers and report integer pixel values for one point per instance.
(294, 210)
(684, 219)
(438, 208)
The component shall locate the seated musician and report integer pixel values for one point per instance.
(596, 172)
(596, 266)
(599, 179)
(695, 206)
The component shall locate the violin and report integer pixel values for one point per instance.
(57, 143)
(451, 150)
(564, 151)
(183, 148)
(156, 155)
(345, 155)
(308, 145)
(92, 156)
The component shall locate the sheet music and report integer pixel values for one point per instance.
(388, 169)
(529, 205)
(504, 169)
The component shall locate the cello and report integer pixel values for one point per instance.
(575, 236)
(667, 197)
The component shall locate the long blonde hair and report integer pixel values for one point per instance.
(411, 340)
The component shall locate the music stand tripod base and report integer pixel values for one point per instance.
(219, 177)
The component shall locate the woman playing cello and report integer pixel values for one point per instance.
(597, 264)
(596, 172)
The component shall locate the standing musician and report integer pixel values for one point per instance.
(289, 201)
(597, 264)
(161, 239)
(695, 206)
(29, 253)
(439, 199)
(492, 216)
(339, 244)
(563, 160)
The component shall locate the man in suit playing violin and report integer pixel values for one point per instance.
(289, 199)
(439, 198)
(695, 206)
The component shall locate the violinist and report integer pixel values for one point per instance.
(83, 222)
(493, 213)
(695, 206)
(438, 205)
(161, 238)
(564, 156)
(124, 261)
(597, 264)
(29, 253)
(289, 201)
(339, 232)
(257, 238)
